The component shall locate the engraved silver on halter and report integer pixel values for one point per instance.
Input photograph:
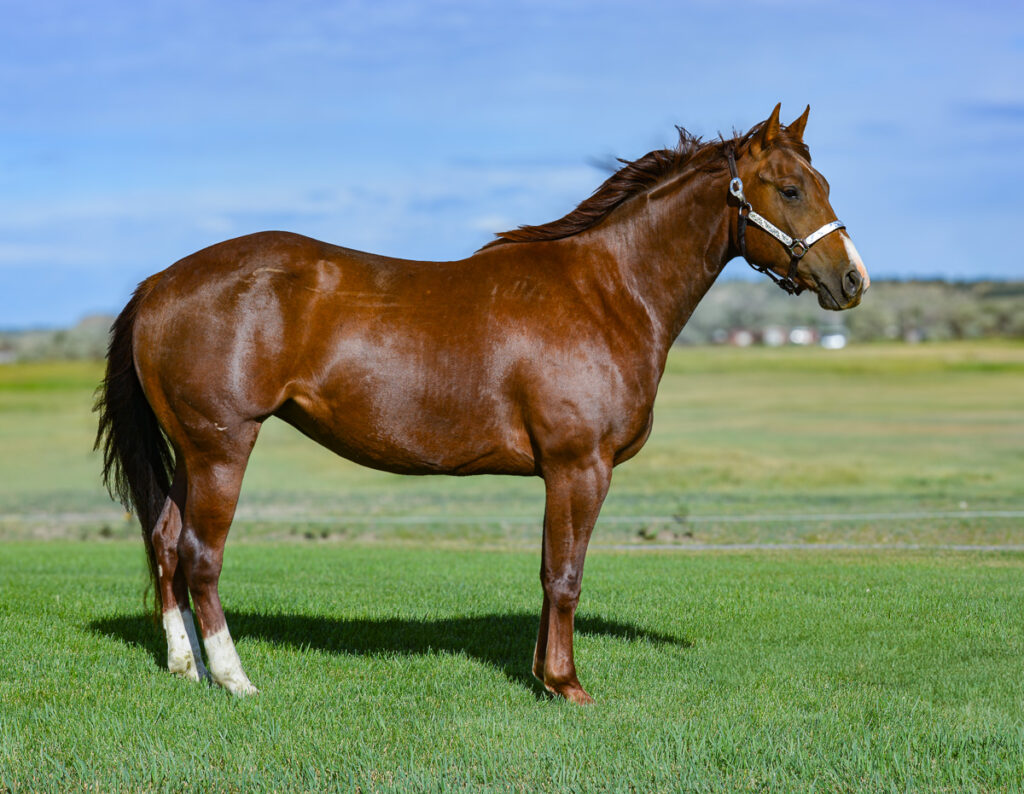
(795, 247)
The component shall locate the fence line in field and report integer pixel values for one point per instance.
(645, 519)
(808, 547)
(419, 520)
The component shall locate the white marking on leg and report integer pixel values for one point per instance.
(855, 260)
(225, 666)
(180, 659)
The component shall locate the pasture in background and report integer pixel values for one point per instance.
(872, 444)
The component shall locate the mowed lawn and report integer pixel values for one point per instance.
(401, 669)
(389, 621)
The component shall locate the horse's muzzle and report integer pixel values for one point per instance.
(839, 294)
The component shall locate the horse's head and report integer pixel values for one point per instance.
(785, 224)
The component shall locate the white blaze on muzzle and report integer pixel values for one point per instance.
(855, 260)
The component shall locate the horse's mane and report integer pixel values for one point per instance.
(636, 176)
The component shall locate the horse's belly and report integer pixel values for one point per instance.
(397, 435)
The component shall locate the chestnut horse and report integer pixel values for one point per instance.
(540, 354)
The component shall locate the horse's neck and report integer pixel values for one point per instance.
(669, 249)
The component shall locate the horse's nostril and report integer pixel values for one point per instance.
(852, 283)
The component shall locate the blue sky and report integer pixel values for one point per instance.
(132, 134)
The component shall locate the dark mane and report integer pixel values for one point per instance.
(637, 176)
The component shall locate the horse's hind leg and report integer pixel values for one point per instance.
(214, 482)
(183, 655)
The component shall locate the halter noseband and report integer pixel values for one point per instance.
(796, 248)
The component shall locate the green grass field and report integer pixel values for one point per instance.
(389, 621)
(397, 669)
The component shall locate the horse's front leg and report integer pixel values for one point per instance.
(575, 492)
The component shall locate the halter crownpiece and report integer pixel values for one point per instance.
(795, 247)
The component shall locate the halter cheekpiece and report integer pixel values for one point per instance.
(796, 248)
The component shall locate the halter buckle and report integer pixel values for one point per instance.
(736, 189)
(798, 249)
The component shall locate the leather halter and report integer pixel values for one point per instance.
(795, 247)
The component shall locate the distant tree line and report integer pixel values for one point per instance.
(85, 340)
(894, 310)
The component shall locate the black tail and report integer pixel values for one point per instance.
(137, 460)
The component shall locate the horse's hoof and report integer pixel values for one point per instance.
(578, 695)
(184, 666)
(244, 689)
(237, 684)
(572, 691)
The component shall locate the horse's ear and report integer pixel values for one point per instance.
(796, 129)
(769, 132)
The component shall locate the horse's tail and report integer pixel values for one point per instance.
(137, 459)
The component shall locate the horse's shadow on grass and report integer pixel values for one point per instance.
(503, 641)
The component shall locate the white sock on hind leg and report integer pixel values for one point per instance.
(180, 659)
(225, 666)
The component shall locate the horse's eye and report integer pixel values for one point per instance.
(790, 192)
